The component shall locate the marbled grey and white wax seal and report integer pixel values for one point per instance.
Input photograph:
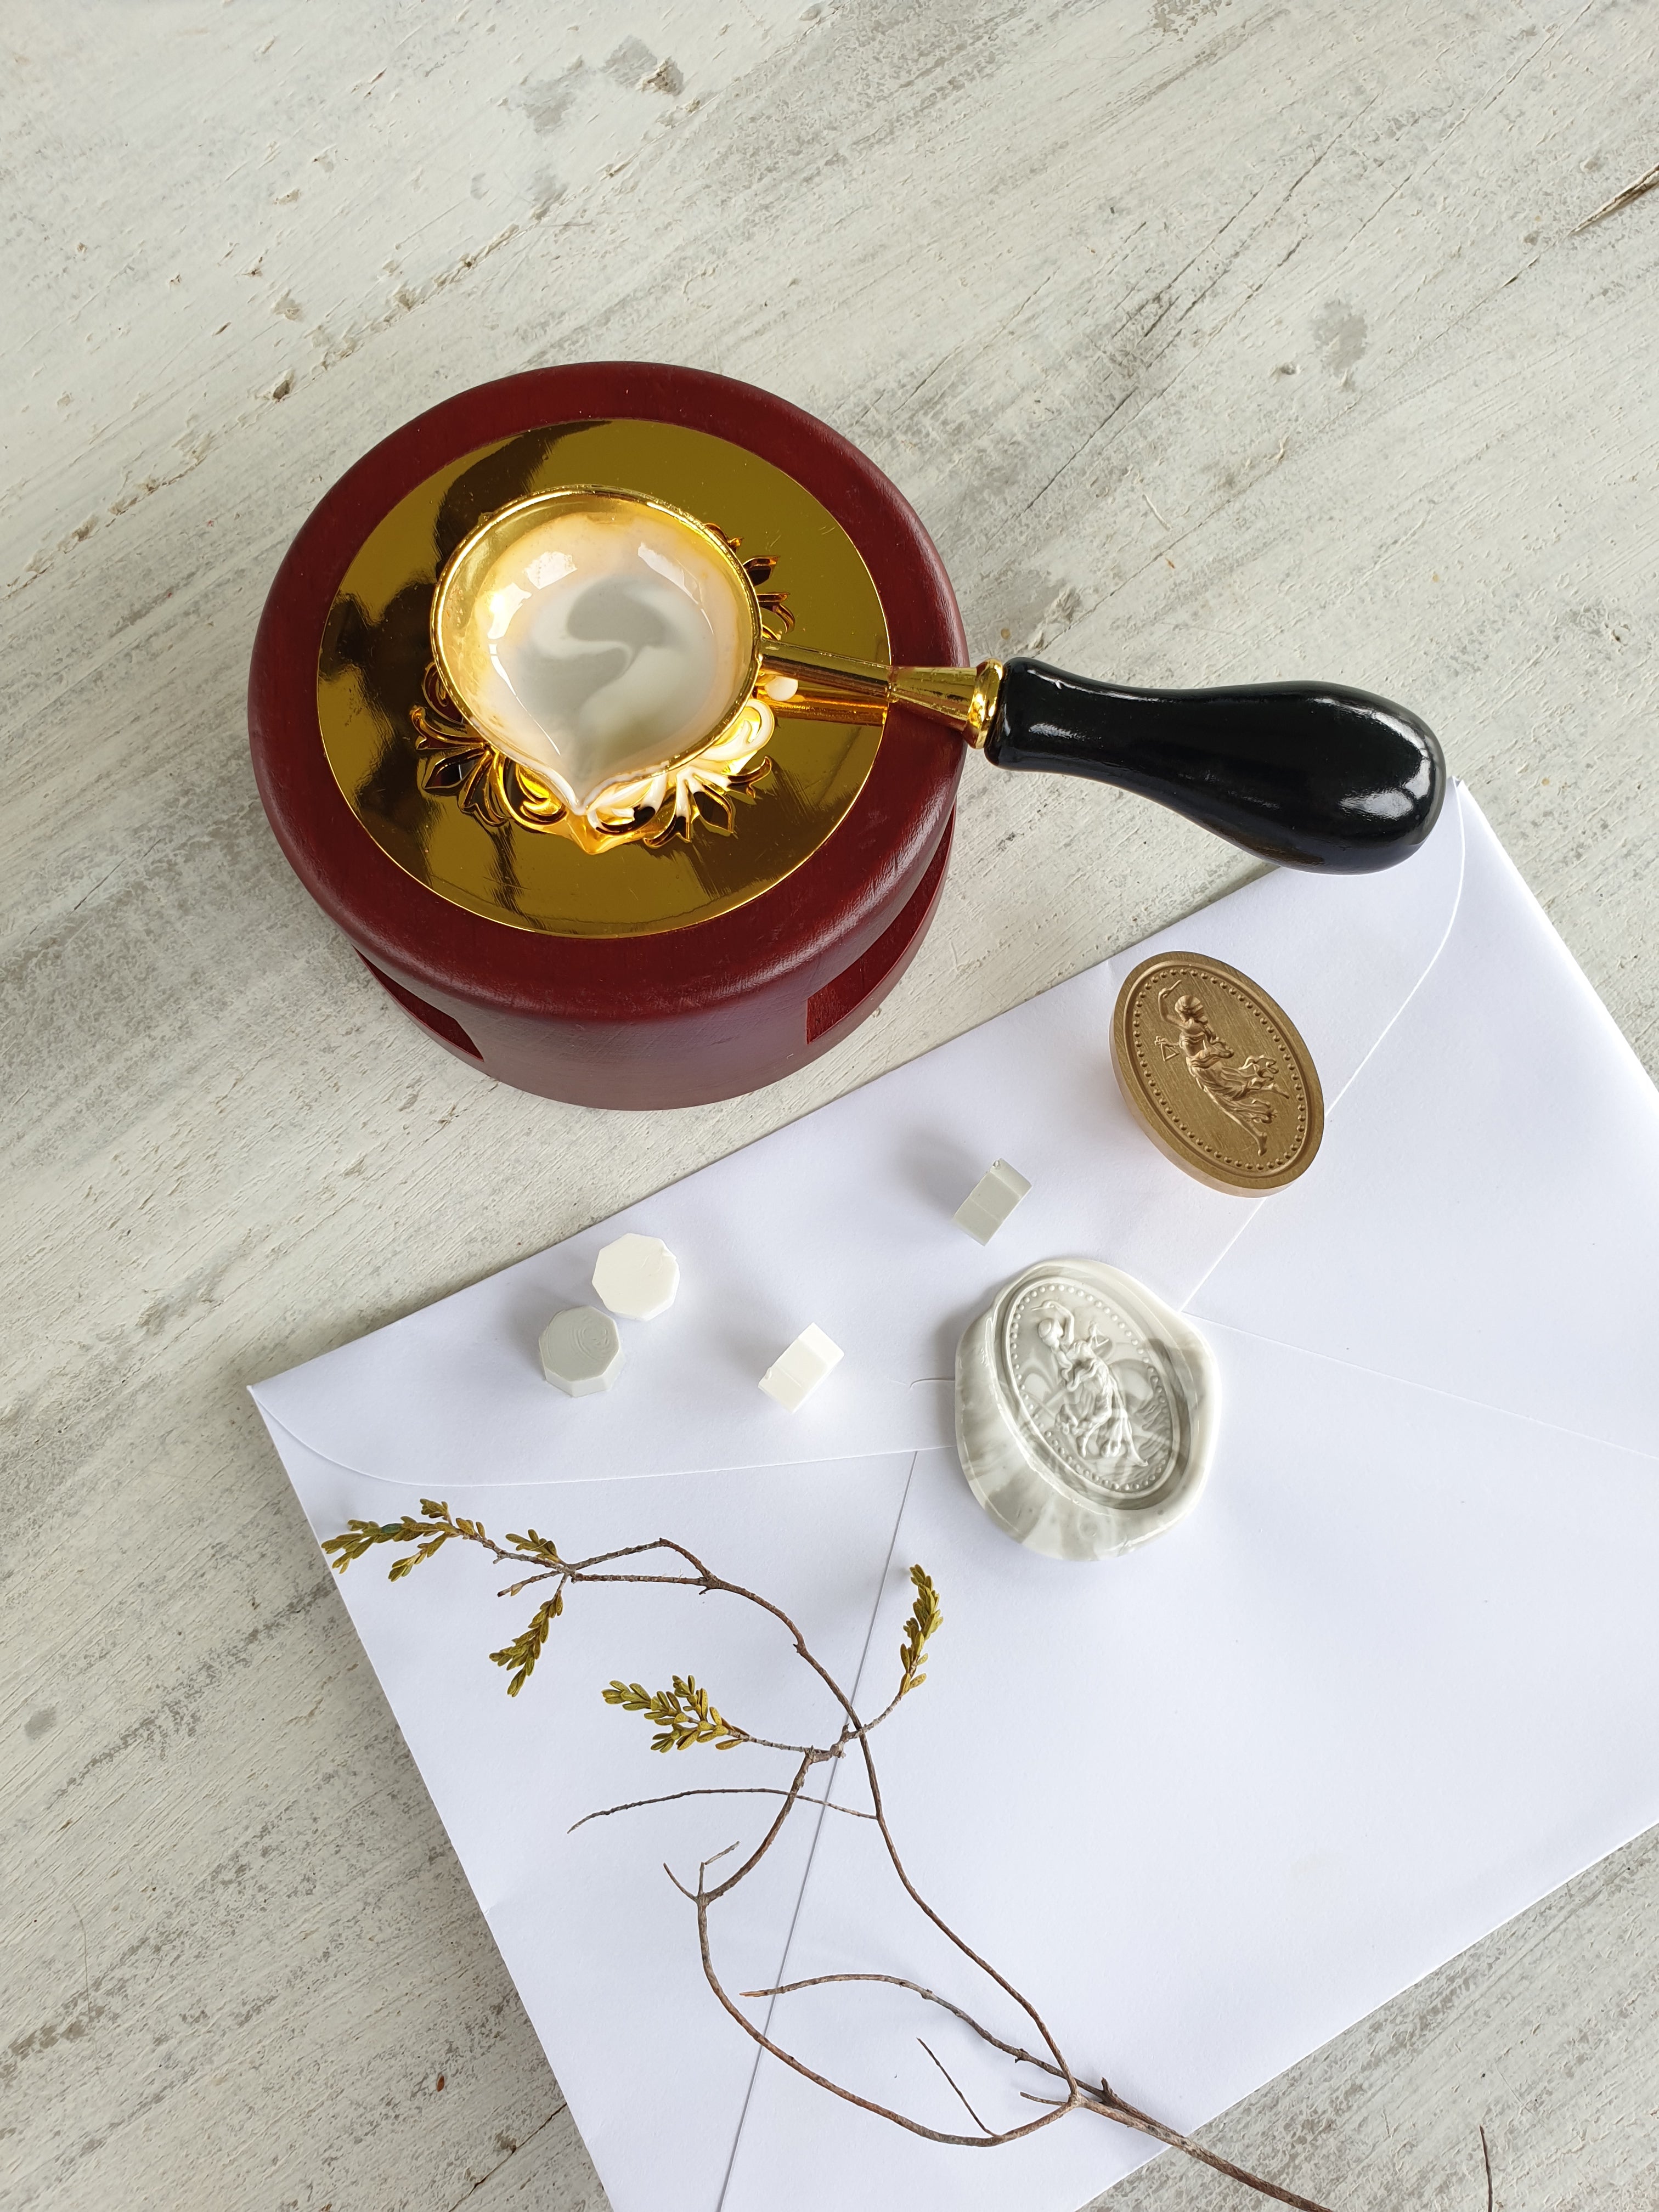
(1086, 1410)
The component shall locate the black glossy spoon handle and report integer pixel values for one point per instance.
(1312, 775)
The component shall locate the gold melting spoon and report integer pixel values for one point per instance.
(607, 642)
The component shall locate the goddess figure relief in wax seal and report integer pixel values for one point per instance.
(1217, 1073)
(1090, 1391)
(1086, 1410)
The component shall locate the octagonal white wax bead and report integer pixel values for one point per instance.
(637, 1277)
(797, 1372)
(582, 1351)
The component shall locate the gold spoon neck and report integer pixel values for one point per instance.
(796, 680)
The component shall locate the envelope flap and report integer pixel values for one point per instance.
(844, 1220)
(1465, 1227)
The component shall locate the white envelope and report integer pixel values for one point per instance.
(1206, 1805)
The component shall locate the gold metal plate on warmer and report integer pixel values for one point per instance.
(1216, 1074)
(375, 651)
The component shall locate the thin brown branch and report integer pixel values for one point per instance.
(951, 2079)
(1644, 184)
(668, 1582)
(546, 1574)
(850, 2096)
(1111, 2106)
(918, 1989)
(1108, 2104)
(633, 1805)
(1486, 2154)
(857, 1731)
(886, 1712)
(949, 1933)
(712, 1581)
(801, 1750)
(704, 1866)
(791, 1799)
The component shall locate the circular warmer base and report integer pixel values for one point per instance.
(680, 1015)
(534, 1056)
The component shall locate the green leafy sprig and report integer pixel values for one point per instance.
(684, 1714)
(429, 1537)
(525, 1648)
(925, 1617)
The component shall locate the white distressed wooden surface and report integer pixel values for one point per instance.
(1213, 338)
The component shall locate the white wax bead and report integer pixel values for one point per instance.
(637, 1277)
(796, 1373)
(991, 1200)
(582, 1351)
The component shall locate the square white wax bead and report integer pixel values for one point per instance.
(795, 1374)
(991, 1200)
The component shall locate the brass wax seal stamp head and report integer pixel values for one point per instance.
(1216, 1074)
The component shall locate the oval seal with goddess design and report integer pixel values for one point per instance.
(1086, 1410)
(1216, 1074)
(1087, 1380)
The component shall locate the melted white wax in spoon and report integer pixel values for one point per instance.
(599, 649)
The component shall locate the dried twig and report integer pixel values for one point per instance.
(685, 1716)
(951, 2079)
(758, 1789)
(1619, 200)
(1108, 2102)
(1485, 2154)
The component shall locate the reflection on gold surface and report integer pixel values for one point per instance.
(457, 761)
(472, 826)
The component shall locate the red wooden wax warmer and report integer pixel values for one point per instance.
(615, 713)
